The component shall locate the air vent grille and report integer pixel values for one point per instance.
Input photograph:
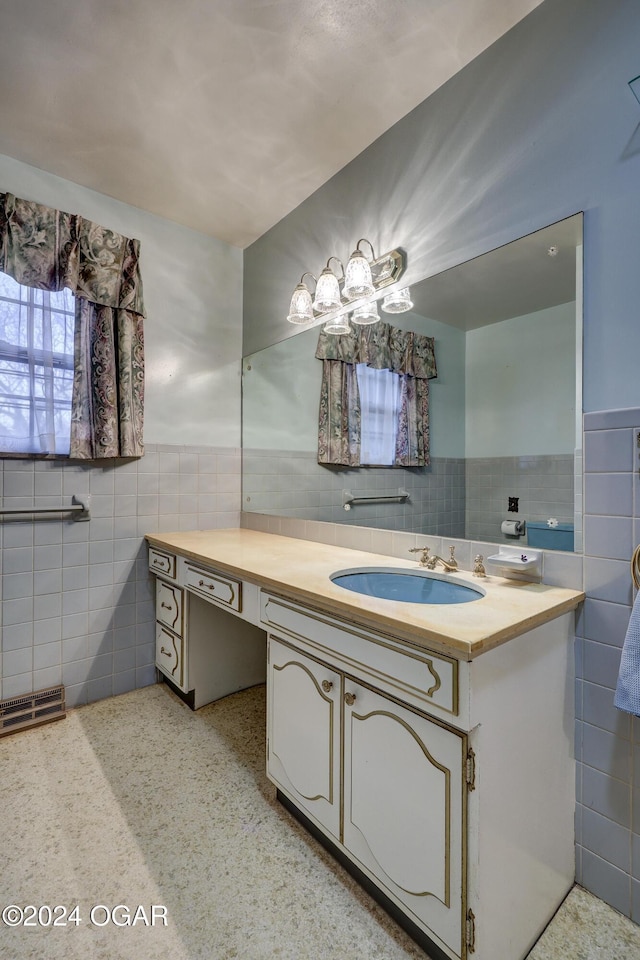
(42, 706)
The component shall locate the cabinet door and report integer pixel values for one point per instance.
(404, 807)
(303, 732)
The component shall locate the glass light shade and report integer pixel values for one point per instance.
(339, 324)
(327, 292)
(301, 309)
(357, 277)
(398, 301)
(366, 314)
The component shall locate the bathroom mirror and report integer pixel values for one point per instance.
(505, 408)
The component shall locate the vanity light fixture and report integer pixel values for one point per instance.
(327, 296)
(368, 313)
(398, 301)
(358, 283)
(301, 307)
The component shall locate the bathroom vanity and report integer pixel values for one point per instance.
(430, 747)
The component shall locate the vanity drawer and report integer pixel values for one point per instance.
(418, 675)
(216, 587)
(170, 655)
(169, 606)
(162, 563)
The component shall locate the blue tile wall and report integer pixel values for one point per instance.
(452, 497)
(544, 486)
(77, 599)
(292, 484)
(608, 740)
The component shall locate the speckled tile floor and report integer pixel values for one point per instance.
(585, 928)
(103, 808)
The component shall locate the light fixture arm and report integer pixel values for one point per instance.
(364, 240)
(338, 260)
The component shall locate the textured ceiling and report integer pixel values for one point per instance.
(223, 115)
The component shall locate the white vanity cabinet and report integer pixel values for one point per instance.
(383, 779)
(208, 643)
(446, 784)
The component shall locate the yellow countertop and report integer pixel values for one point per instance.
(301, 569)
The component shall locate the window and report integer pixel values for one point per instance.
(36, 368)
(380, 403)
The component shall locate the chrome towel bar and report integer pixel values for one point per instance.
(349, 498)
(78, 506)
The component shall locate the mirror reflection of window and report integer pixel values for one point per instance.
(380, 405)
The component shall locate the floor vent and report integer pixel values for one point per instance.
(31, 710)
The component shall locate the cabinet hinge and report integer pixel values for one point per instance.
(471, 932)
(470, 773)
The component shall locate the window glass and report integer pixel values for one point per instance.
(36, 368)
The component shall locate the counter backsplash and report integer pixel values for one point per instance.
(558, 569)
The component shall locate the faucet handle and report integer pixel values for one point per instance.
(478, 569)
(452, 560)
(424, 559)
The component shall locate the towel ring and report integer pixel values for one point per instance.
(635, 567)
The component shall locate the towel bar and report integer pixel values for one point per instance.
(348, 498)
(78, 506)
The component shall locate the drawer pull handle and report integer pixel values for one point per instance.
(327, 685)
(203, 583)
(349, 699)
(167, 653)
(166, 606)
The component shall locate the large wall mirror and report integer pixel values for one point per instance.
(505, 408)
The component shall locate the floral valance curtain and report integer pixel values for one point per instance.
(48, 249)
(384, 347)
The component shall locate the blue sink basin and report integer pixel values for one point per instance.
(409, 586)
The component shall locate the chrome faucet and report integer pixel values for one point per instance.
(449, 565)
(431, 562)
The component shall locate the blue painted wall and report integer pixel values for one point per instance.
(539, 126)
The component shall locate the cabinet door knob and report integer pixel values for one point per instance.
(349, 699)
(327, 685)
